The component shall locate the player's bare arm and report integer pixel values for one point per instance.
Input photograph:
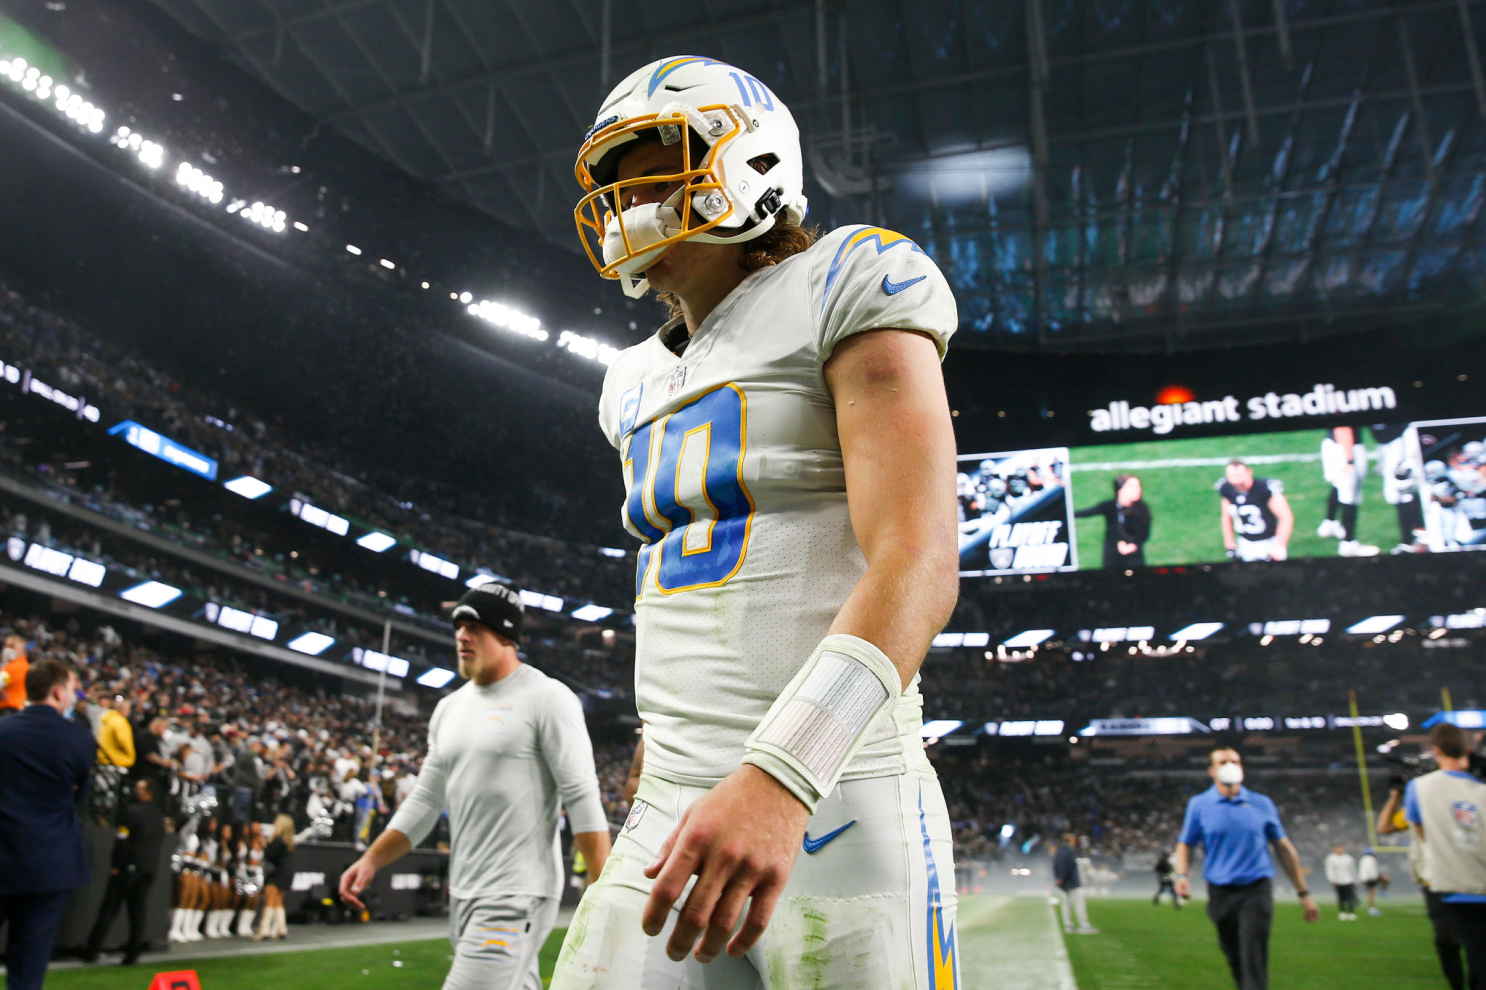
(1225, 522)
(1181, 860)
(897, 442)
(1289, 860)
(636, 767)
(595, 849)
(1284, 523)
(388, 848)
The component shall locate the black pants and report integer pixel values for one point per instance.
(1167, 887)
(1346, 898)
(32, 921)
(1446, 940)
(1243, 914)
(1470, 919)
(125, 889)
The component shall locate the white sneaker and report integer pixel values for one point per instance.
(1375, 912)
(1352, 548)
(1330, 528)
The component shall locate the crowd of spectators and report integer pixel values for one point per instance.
(1126, 817)
(586, 669)
(469, 527)
(215, 736)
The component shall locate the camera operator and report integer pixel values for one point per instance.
(1445, 808)
(1446, 932)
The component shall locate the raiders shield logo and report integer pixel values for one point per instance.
(1002, 557)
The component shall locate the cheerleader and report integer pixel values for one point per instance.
(278, 874)
(219, 919)
(250, 882)
(189, 887)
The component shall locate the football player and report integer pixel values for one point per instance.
(1344, 465)
(787, 447)
(1256, 519)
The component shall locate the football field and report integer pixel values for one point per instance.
(1010, 943)
(1142, 947)
(1178, 477)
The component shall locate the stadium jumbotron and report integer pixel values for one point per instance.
(1047, 454)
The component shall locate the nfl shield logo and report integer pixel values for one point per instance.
(635, 814)
(1467, 816)
(675, 382)
(1001, 557)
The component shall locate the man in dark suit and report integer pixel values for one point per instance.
(141, 832)
(46, 761)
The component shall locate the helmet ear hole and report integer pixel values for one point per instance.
(762, 163)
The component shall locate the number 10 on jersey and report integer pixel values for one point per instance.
(687, 499)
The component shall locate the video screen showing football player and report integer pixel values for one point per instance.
(1256, 519)
(1455, 481)
(1344, 465)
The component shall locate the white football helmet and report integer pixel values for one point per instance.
(741, 166)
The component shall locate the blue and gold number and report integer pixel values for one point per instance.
(752, 91)
(687, 499)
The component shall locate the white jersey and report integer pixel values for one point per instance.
(502, 758)
(736, 486)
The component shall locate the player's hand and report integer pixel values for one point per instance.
(1309, 905)
(1126, 547)
(1183, 888)
(354, 881)
(1278, 552)
(740, 840)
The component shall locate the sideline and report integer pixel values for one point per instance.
(1012, 943)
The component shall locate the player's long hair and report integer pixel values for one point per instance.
(784, 240)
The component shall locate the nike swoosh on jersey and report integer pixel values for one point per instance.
(893, 288)
(813, 846)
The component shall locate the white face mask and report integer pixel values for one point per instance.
(1230, 774)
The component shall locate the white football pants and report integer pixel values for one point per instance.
(872, 907)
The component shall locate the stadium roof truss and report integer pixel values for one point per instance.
(1177, 172)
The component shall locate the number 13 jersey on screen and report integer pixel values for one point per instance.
(735, 485)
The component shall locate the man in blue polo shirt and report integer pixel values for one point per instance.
(1236, 827)
(1446, 808)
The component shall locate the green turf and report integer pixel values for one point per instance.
(1184, 506)
(1141, 947)
(371, 967)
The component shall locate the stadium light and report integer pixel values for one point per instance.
(316, 516)
(372, 660)
(266, 217)
(435, 677)
(535, 599)
(437, 565)
(587, 347)
(47, 560)
(505, 317)
(938, 728)
(1029, 638)
(1397, 721)
(300, 226)
(483, 577)
(612, 551)
(388, 265)
(1374, 624)
(377, 542)
(1196, 631)
(151, 594)
(199, 182)
(592, 613)
(87, 572)
(248, 487)
(311, 643)
(353, 249)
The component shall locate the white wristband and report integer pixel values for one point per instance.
(823, 717)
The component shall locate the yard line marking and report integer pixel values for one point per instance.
(1176, 462)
